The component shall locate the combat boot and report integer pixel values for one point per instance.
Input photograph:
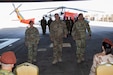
(30, 61)
(82, 58)
(60, 59)
(54, 61)
(78, 60)
(34, 60)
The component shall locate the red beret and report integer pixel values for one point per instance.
(106, 40)
(8, 58)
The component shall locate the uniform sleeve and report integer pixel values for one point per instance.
(75, 32)
(26, 36)
(51, 30)
(88, 28)
(37, 35)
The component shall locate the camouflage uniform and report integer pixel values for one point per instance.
(5, 72)
(31, 40)
(79, 35)
(57, 31)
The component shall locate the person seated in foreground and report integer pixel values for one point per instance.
(103, 57)
(7, 61)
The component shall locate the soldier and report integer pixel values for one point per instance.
(71, 25)
(49, 22)
(67, 21)
(43, 25)
(31, 40)
(58, 30)
(7, 60)
(103, 57)
(79, 35)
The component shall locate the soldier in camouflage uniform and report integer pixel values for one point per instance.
(79, 35)
(58, 30)
(7, 61)
(31, 40)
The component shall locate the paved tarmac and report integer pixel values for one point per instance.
(14, 38)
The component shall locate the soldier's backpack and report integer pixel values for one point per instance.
(26, 69)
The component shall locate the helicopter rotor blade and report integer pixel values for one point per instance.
(76, 9)
(37, 9)
(53, 10)
(13, 5)
(85, 10)
(19, 5)
(95, 11)
(12, 12)
(15, 8)
(62, 7)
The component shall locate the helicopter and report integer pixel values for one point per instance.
(20, 17)
(63, 13)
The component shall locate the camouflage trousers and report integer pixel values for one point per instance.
(32, 52)
(81, 45)
(57, 49)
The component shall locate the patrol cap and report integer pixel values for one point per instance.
(8, 58)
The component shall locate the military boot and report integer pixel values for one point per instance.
(82, 57)
(78, 59)
(34, 60)
(60, 59)
(30, 61)
(55, 61)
